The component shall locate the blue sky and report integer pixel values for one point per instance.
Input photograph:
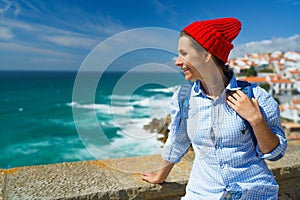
(59, 34)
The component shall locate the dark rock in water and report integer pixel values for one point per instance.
(159, 126)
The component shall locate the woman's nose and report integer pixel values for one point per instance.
(178, 61)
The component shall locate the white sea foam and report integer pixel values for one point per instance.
(164, 90)
(61, 122)
(103, 108)
(134, 141)
(126, 146)
(89, 106)
(129, 113)
(115, 97)
(142, 102)
(76, 153)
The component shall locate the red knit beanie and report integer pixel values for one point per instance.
(215, 35)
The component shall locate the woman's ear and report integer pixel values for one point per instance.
(207, 56)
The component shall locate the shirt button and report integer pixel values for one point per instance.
(227, 196)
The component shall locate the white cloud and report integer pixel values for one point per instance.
(276, 44)
(32, 6)
(71, 41)
(5, 8)
(128, 42)
(39, 34)
(166, 9)
(5, 33)
(15, 24)
(9, 7)
(163, 7)
(101, 25)
(17, 9)
(13, 47)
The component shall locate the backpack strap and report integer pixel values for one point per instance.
(247, 88)
(183, 99)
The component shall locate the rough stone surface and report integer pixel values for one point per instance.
(69, 180)
(120, 179)
(128, 171)
(2, 184)
(287, 172)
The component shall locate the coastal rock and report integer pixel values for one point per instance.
(160, 127)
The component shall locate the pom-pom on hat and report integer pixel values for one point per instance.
(215, 35)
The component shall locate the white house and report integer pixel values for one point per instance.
(291, 111)
(280, 85)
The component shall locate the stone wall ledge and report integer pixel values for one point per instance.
(120, 179)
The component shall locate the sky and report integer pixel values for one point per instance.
(60, 34)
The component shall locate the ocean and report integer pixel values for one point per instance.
(41, 123)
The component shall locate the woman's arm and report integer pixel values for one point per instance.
(160, 175)
(250, 111)
(266, 141)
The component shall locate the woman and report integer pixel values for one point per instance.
(228, 164)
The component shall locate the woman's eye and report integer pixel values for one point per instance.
(183, 53)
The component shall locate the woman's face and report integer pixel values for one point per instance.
(190, 59)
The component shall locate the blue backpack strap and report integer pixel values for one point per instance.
(183, 99)
(247, 88)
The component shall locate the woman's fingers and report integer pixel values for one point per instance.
(151, 177)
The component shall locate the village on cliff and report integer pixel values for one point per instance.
(278, 73)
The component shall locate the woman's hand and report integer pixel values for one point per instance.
(160, 175)
(152, 177)
(244, 106)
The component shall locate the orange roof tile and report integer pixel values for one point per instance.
(296, 101)
(281, 108)
(295, 71)
(255, 79)
(281, 81)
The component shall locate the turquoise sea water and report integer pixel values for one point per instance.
(37, 124)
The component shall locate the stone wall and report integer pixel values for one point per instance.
(120, 179)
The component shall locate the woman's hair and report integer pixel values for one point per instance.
(227, 71)
(195, 44)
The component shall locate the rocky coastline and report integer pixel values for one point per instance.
(159, 127)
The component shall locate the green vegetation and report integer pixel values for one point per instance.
(266, 70)
(265, 86)
(251, 72)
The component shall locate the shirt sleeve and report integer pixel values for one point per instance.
(271, 114)
(178, 141)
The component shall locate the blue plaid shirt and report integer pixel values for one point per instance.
(227, 165)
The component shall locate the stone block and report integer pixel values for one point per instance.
(82, 180)
(128, 173)
(120, 179)
(2, 184)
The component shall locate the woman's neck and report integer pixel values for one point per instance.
(215, 85)
(213, 89)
